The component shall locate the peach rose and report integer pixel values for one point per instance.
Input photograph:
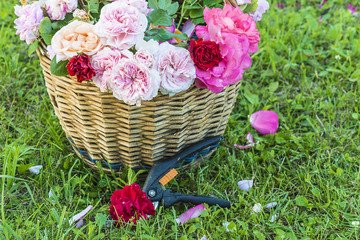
(76, 37)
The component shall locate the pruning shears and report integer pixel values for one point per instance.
(163, 171)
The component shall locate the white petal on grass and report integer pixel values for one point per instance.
(273, 218)
(226, 224)
(355, 223)
(245, 184)
(257, 208)
(80, 215)
(271, 205)
(203, 238)
(35, 169)
(51, 196)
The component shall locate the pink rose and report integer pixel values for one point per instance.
(229, 20)
(133, 82)
(237, 36)
(176, 68)
(103, 63)
(28, 23)
(76, 37)
(57, 9)
(121, 25)
(144, 57)
(141, 5)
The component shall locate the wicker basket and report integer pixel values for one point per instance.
(103, 128)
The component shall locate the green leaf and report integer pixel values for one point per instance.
(94, 6)
(22, 168)
(259, 235)
(164, 4)
(273, 86)
(302, 201)
(159, 17)
(45, 30)
(196, 13)
(173, 8)
(252, 98)
(33, 47)
(153, 4)
(163, 35)
(59, 69)
(100, 220)
(252, 6)
(198, 21)
(45, 26)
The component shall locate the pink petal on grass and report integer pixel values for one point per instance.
(250, 140)
(245, 184)
(80, 215)
(265, 122)
(190, 214)
(189, 28)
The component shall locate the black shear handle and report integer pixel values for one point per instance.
(194, 199)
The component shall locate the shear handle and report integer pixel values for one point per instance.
(170, 199)
(162, 167)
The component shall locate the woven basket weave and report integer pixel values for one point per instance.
(103, 128)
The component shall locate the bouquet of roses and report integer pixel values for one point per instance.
(136, 48)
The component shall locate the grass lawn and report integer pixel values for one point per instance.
(308, 72)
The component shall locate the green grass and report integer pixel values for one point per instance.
(310, 167)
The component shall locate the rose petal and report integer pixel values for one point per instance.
(203, 238)
(273, 218)
(250, 140)
(190, 214)
(265, 121)
(35, 169)
(355, 223)
(271, 205)
(257, 208)
(245, 184)
(80, 223)
(189, 28)
(226, 224)
(51, 196)
(80, 215)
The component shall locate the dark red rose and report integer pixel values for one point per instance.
(205, 54)
(130, 203)
(81, 67)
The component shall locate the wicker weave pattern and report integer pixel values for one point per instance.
(112, 131)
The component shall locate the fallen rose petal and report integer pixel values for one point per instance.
(226, 224)
(355, 223)
(257, 208)
(265, 121)
(203, 238)
(190, 214)
(273, 218)
(353, 10)
(80, 215)
(35, 169)
(189, 28)
(250, 140)
(245, 184)
(271, 205)
(80, 224)
(51, 196)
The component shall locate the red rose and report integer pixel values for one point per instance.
(130, 203)
(206, 54)
(81, 67)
